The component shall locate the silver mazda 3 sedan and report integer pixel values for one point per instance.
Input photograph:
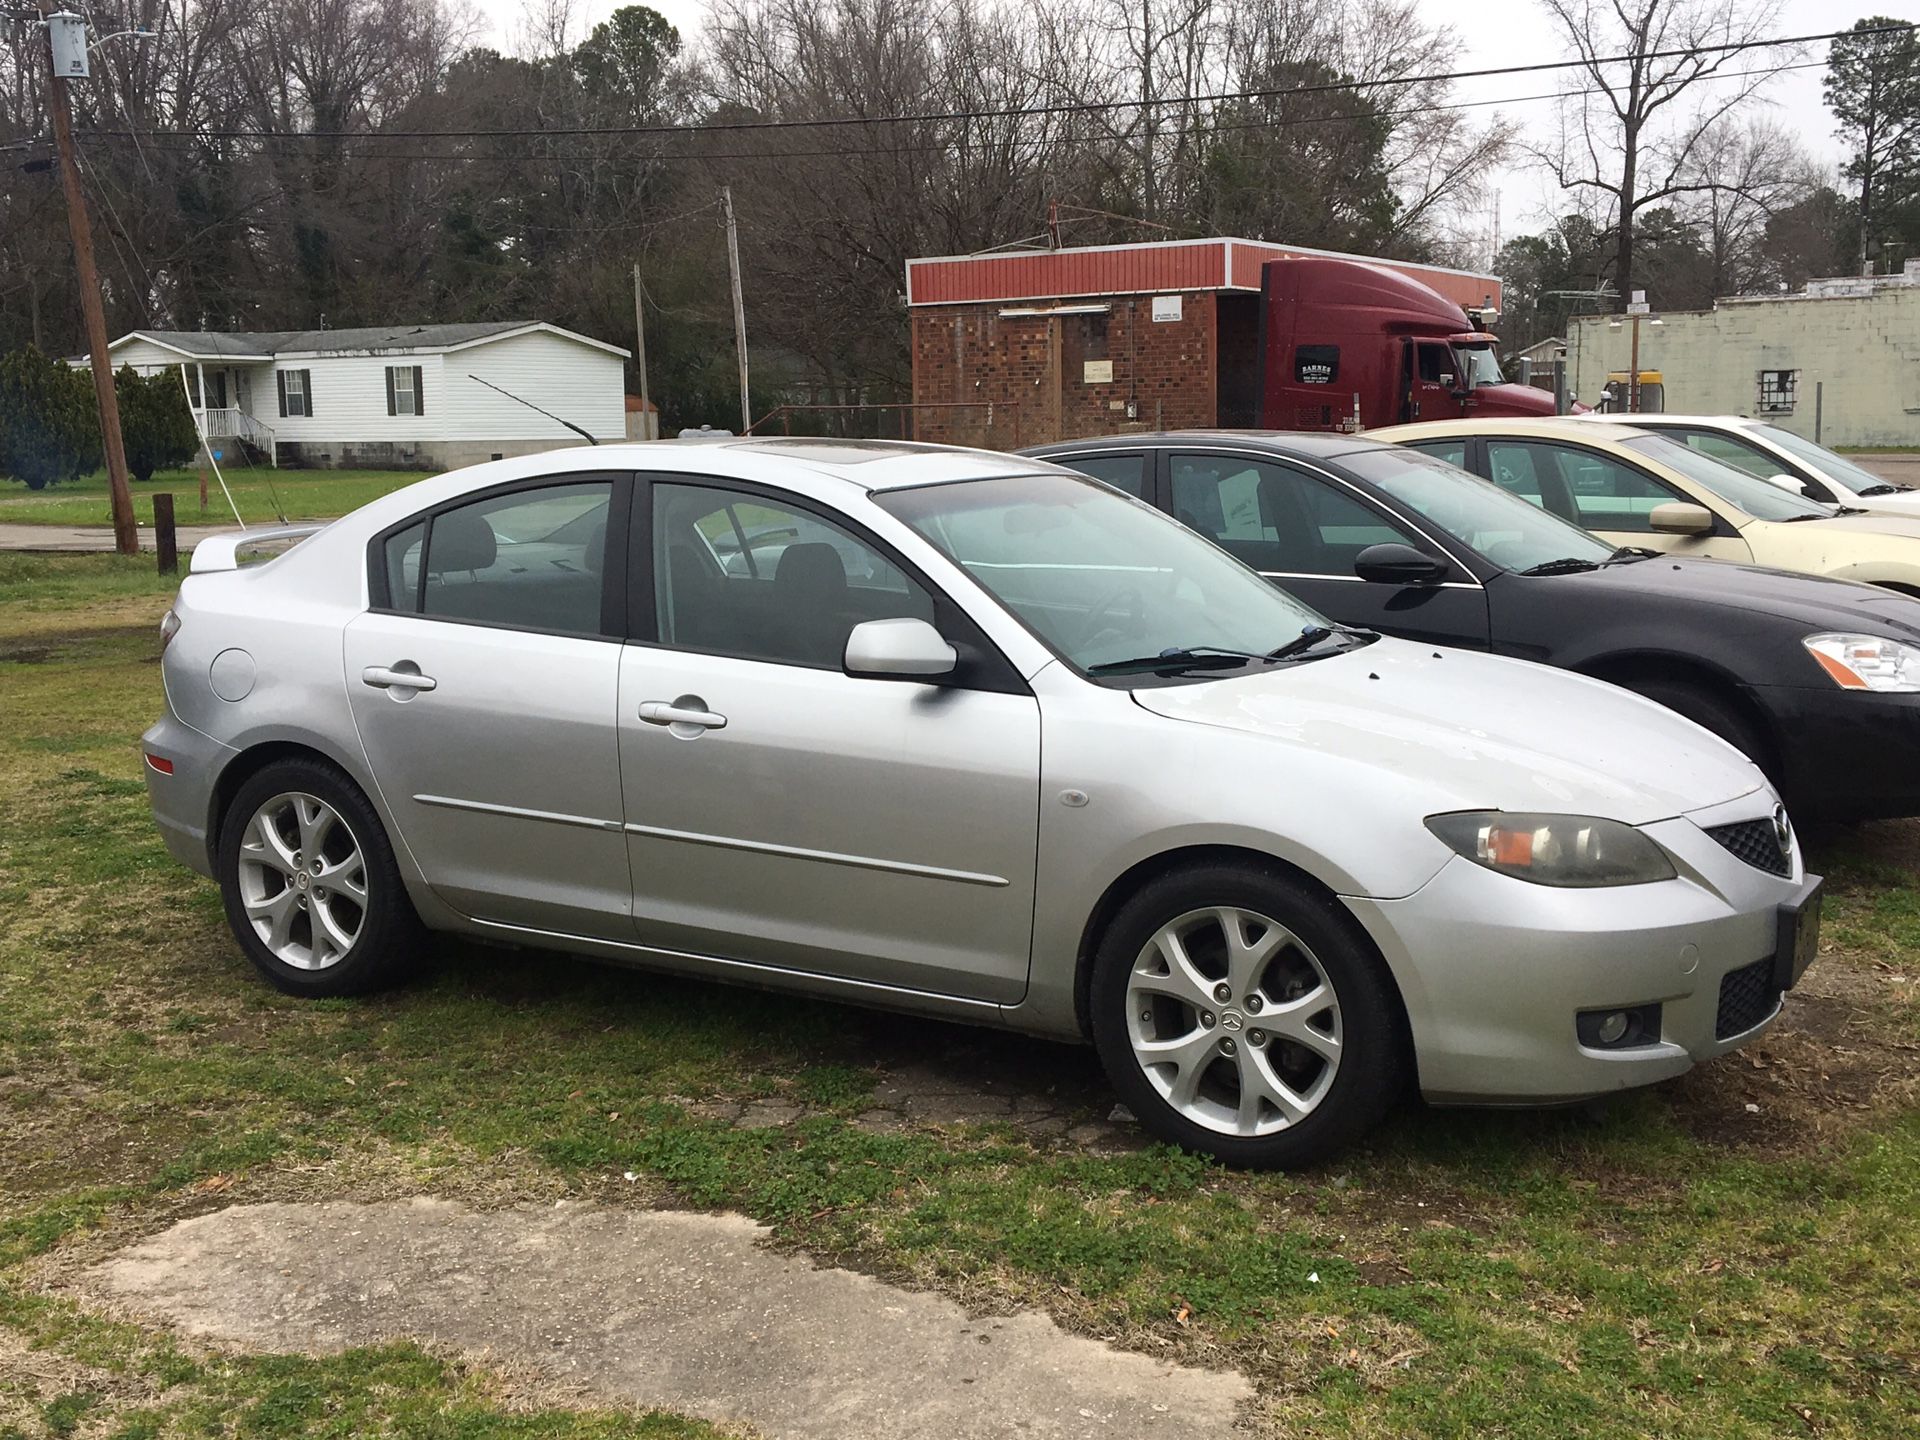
(974, 736)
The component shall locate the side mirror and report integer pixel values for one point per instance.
(1392, 563)
(1678, 517)
(903, 649)
(1788, 483)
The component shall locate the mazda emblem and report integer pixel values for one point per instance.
(1783, 829)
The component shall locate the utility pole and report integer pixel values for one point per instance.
(67, 55)
(640, 354)
(739, 309)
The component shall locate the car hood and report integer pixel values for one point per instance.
(1834, 542)
(1466, 731)
(1820, 602)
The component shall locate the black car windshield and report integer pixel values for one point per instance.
(1761, 499)
(1501, 527)
(1101, 577)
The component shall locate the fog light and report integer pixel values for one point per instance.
(1618, 1029)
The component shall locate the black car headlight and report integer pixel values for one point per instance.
(1574, 852)
(1867, 662)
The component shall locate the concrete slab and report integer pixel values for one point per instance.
(682, 1312)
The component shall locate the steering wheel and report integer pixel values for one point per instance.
(1093, 627)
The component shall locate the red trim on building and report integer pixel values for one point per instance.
(1153, 267)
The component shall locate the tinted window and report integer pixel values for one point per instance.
(1098, 578)
(1593, 490)
(1508, 531)
(1276, 518)
(1727, 450)
(1123, 472)
(735, 574)
(1454, 452)
(1761, 499)
(530, 559)
(1860, 481)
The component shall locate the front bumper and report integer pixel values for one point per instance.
(1845, 754)
(183, 800)
(1494, 970)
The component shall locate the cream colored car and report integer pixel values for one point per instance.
(1639, 488)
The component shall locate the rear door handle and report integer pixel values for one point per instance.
(380, 677)
(673, 712)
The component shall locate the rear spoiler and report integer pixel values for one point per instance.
(222, 552)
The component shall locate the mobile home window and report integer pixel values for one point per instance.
(404, 390)
(296, 392)
(1776, 391)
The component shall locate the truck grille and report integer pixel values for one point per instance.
(1747, 996)
(1754, 842)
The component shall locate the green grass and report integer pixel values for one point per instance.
(1679, 1266)
(260, 493)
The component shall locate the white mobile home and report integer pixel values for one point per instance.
(399, 397)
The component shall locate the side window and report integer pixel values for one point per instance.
(1594, 491)
(1514, 468)
(1274, 518)
(1454, 452)
(1437, 364)
(1728, 451)
(530, 559)
(1126, 473)
(736, 574)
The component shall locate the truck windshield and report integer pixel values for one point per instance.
(1098, 576)
(1479, 366)
(1514, 534)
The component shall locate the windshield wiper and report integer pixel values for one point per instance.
(1819, 515)
(1851, 510)
(1315, 635)
(1883, 490)
(1627, 554)
(1173, 660)
(1566, 566)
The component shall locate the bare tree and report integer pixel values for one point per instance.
(1632, 136)
(1750, 173)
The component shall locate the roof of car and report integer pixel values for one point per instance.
(1314, 445)
(868, 464)
(1551, 427)
(1744, 422)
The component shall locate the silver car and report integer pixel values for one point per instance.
(973, 736)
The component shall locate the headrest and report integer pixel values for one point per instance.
(816, 565)
(462, 540)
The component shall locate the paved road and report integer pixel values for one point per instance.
(79, 538)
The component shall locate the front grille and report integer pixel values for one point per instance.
(1747, 996)
(1755, 842)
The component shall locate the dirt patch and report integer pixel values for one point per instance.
(690, 1313)
(44, 647)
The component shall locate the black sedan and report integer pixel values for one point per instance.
(1818, 680)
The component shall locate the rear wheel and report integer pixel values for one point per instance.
(1239, 1013)
(310, 885)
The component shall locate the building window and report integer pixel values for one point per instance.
(403, 390)
(1777, 390)
(296, 392)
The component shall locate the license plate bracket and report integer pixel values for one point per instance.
(1797, 938)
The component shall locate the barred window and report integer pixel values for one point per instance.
(1777, 391)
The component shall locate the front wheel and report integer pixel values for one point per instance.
(1240, 1013)
(310, 885)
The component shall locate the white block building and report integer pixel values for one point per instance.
(401, 397)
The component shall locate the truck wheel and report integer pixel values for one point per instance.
(1241, 1014)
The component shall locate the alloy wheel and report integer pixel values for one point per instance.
(1233, 1021)
(303, 881)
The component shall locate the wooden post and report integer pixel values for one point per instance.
(165, 542)
(203, 489)
(1633, 372)
(126, 538)
(640, 356)
(739, 309)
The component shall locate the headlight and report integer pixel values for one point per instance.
(1867, 662)
(1569, 851)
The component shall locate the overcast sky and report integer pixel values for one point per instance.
(1493, 32)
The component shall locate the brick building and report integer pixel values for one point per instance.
(1031, 346)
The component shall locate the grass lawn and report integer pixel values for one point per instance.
(303, 494)
(1732, 1255)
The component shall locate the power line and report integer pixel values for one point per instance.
(918, 147)
(1077, 107)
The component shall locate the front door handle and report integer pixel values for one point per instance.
(688, 711)
(380, 677)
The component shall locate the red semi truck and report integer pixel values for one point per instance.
(1344, 345)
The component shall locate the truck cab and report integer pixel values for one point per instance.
(1348, 346)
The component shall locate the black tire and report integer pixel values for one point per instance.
(1713, 711)
(1375, 1051)
(390, 943)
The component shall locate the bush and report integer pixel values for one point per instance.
(155, 423)
(49, 426)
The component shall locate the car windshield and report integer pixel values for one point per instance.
(1513, 533)
(1482, 365)
(1100, 577)
(1761, 499)
(1834, 467)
